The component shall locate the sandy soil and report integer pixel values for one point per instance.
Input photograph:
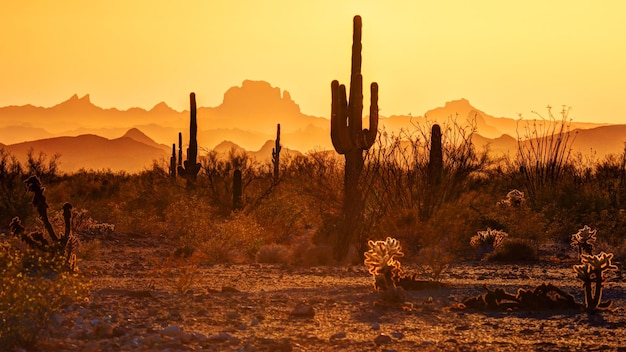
(260, 307)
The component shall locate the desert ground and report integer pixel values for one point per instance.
(134, 306)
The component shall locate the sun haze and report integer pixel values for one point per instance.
(504, 57)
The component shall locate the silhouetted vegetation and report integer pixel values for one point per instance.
(304, 210)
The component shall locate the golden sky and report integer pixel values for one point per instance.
(505, 57)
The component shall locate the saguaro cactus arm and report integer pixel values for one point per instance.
(276, 154)
(347, 132)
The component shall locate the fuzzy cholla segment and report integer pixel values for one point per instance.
(584, 240)
(490, 237)
(381, 254)
(593, 267)
(514, 198)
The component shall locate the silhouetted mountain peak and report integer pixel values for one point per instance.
(74, 102)
(226, 147)
(462, 107)
(139, 136)
(257, 97)
(161, 107)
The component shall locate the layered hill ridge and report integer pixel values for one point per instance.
(247, 116)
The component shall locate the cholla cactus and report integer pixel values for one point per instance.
(591, 271)
(584, 240)
(380, 260)
(488, 241)
(514, 198)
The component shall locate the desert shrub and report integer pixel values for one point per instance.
(513, 250)
(179, 270)
(13, 198)
(33, 286)
(316, 255)
(433, 261)
(274, 254)
(236, 239)
(485, 242)
(513, 215)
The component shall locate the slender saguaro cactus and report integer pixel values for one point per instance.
(191, 167)
(350, 139)
(180, 149)
(173, 162)
(434, 173)
(435, 164)
(237, 190)
(276, 154)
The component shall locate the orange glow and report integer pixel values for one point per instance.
(504, 57)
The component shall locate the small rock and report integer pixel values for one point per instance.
(221, 337)
(232, 315)
(103, 330)
(303, 311)
(382, 339)
(56, 319)
(397, 335)
(375, 326)
(197, 336)
(254, 322)
(229, 289)
(339, 335)
(172, 330)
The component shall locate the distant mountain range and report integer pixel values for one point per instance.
(87, 136)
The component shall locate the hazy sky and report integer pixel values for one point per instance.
(505, 57)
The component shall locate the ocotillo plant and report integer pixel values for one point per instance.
(350, 139)
(276, 154)
(191, 166)
(237, 191)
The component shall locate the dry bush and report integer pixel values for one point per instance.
(274, 254)
(317, 255)
(513, 250)
(33, 286)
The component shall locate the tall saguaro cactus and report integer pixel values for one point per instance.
(191, 167)
(350, 139)
(276, 154)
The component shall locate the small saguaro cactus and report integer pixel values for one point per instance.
(434, 174)
(276, 154)
(350, 139)
(180, 149)
(591, 272)
(237, 190)
(435, 164)
(173, 162)
(191, 167)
